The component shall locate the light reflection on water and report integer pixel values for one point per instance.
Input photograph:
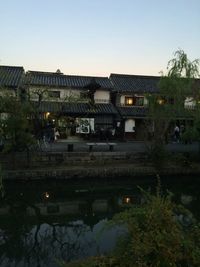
(41, 224)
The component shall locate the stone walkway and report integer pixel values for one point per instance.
(134, 147)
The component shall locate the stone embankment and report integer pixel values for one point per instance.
(88, 165)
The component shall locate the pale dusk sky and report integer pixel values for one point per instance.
(98, 37)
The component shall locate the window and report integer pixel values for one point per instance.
(165, 100)
(134, 101)
(129, 101)
(139, 101)
(54, 94)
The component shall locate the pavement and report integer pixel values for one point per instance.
(133, 146)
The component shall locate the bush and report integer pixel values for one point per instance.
(182, 159)
(160, 234)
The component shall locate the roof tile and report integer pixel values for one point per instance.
(135, 83)
(61, 80)
(132, 111)
(76, 108)
(10, 76)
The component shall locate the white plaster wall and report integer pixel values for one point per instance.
(33, 96)
(70, 92)
(189, 102)
(145, 101)
(7, 92)
(102, 96)
(64, 93)
(129, 124)
(122, 99)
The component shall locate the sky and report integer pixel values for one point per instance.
(98, 37)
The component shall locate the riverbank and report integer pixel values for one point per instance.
(112, 170)
(127, 160)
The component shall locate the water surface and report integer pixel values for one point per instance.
(42, 223)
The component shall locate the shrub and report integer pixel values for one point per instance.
(160, 234)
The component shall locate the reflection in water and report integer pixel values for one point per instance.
(46, 195)
(186, 200)
(42, 224)
(45, 229)
(42, 244)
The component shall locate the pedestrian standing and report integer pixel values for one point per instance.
(177, 133)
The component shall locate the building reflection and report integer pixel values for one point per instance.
(36, 232)
(41, 223)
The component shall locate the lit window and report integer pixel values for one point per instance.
(134, 101)
(129, 101)
(126, 200)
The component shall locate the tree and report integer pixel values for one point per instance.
(14, 124)
(167, 105)
(15, 127)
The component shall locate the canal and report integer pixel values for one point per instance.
(45, 222)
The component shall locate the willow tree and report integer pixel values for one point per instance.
(168, 105)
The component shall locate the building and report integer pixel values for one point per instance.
(130, 93)
(77, 105)
(11, 79)
(89, 107)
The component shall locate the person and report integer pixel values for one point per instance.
(177, 133)
(57, 134)
(113, 132)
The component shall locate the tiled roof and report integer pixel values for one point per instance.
(138, 112)
(76, 108)
(10, 76)
(60, 80)
(142, 112)
(135, 83)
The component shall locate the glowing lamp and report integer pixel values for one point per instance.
(46, 195)
(47, 114)
(160, 101)
(127, 200)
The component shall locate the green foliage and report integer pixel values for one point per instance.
(181, 66)
(1, 184)
(190, 134)
(167, 106)
(157, 155)
(181, 159)
(101, 261)
(14, 124)
(160, 234)
(174, 87)
(156, 235)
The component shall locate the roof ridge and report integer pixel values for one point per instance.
(134, 75)
(62, 75)
(7, 66)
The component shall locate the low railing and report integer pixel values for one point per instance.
(105, 101)
(190, 107)
(130, 106)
